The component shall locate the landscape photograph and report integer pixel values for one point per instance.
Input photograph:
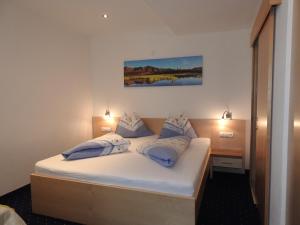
(177, 71)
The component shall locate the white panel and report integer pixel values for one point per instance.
(281, 89)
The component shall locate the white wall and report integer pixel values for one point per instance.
(45, 94)
(227, 74)
(281, 106)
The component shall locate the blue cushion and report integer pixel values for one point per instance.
(164, 156)
(177, 126)
(165, 151)
(105, 145)
(132, 126)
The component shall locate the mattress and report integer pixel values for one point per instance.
(133, 170)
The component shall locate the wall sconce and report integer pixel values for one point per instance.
(108, 117)
(227, 115)
(106, 127)
(107, 114)
(224, 131)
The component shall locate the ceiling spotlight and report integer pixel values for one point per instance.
(105, 16)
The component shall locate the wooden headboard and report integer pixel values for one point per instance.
(209, 128)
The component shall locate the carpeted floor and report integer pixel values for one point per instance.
(227, 201)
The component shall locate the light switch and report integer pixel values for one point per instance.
(226, 134)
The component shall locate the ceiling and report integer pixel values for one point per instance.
(194, 16)
(180, 17)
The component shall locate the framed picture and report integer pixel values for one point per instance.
(177, 71)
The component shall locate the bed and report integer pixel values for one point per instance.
(133, 170)
(124, 189)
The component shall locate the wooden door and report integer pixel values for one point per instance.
(264, 116)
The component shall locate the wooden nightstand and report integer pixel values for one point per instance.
(227, 160)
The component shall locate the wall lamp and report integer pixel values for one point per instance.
(107, 114)
(227, 115)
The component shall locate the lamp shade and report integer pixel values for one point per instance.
(227, 115)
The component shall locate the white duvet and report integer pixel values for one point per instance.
(8, 216)
(133, 170)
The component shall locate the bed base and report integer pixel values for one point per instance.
(88, 203)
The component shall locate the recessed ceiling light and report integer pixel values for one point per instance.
(105, 16)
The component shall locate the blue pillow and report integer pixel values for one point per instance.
(165, 151)
(105, 145)
(177, 126)
(132, 126)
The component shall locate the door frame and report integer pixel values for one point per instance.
(253, 119)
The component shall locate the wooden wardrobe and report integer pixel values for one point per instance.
(262, 40)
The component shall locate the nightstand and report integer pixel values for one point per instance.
(227, 160)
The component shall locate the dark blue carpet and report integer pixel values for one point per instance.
(226, 201)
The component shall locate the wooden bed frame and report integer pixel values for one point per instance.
(89, 203)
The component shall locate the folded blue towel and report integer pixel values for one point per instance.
(165, 156)
(105, 145)
(165, 151)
